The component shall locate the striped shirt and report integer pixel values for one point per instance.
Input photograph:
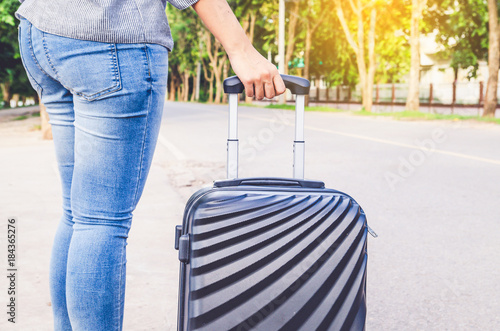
(113, 21)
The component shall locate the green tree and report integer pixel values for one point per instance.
(468, 30)
(462, 31)
(392, 42)
(363, 46)
(315, 38)
(13, 79)
(185, 27)
(329, 58)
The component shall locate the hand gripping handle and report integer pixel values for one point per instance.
(297, 85)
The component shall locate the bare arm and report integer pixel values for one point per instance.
(254, 70)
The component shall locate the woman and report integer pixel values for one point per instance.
(100, 68)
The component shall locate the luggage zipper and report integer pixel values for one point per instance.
(370, 231)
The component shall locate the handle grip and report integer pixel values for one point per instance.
(296, 85)
(270, 181)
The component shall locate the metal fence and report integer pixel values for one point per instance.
(456, 94)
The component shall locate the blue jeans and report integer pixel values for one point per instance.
(105, 103)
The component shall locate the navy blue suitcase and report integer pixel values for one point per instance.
(271, 253)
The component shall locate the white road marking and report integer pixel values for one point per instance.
(171, 147)
(388, 142)
(381, 141)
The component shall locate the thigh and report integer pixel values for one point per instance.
(118, 95)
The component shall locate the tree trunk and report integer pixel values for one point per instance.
(413, 102)
(15, 98)
(366, 76)
(225, 73)
(361, 58)
(185, 96)
(211, 92)
(216, 63)
(218, 86)
(45, 125)
(310, 29)
(171, 94)
(172, 90)
(292, 25)
(174, 82)
(490, 101)
(196, 94)
(182, 88)
(193, 95)
(218, 78)
(368, 101)
(211, 83)
(6, 94)
(307, 56)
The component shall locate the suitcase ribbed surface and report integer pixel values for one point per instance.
(276, 261)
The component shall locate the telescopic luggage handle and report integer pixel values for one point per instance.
(297, 85)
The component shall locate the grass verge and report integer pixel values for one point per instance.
(18, 118)
(23, 117)
(415, 115)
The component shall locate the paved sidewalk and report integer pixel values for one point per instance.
(30, 190)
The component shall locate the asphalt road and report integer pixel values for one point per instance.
(431, 190)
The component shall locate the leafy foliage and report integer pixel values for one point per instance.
(460, 26)
(12, 74)
(462, 30)
(392, 41)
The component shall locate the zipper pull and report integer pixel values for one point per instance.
(370, 231)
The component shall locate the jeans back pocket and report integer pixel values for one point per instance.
(89, 69)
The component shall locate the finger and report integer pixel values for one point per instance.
(269, 90)
(249, 90)
(259, 89)
(279, 84)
